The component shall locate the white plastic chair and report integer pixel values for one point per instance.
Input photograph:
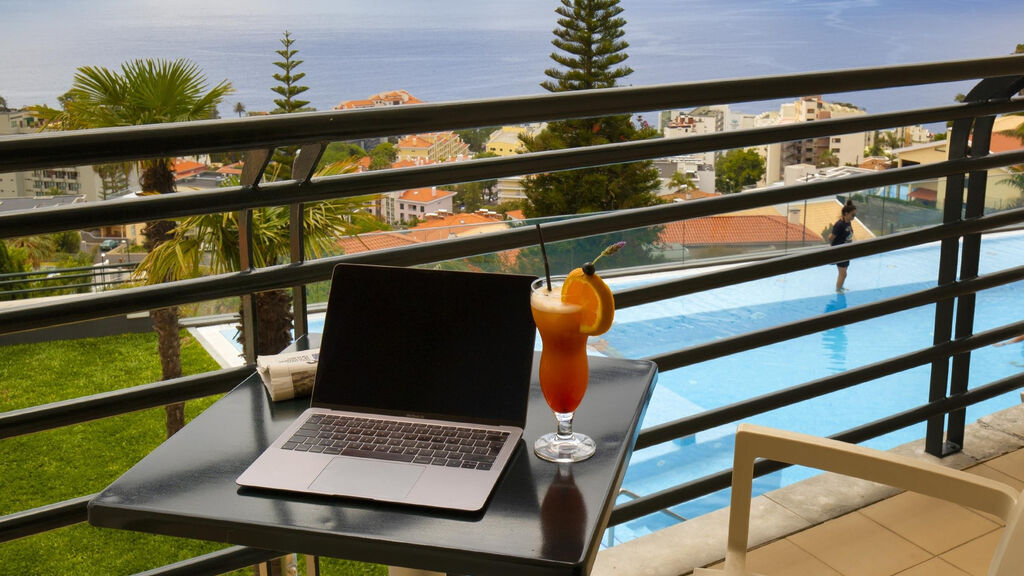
(849, 459)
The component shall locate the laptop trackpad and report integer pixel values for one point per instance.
(361, 478)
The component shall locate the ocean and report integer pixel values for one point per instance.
(467, 49)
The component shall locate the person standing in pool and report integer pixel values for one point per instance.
(842, 232)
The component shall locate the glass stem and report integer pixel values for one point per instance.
(564, 420)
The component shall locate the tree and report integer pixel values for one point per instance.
(476, 138)
(151, 91)
(113, 179)
(589, 35)
(383, 156)
(209, 243)
(681, 181)
(827, 158)
(738, 168)
(280, 167)
(589, 38)
(338, 151)
(1016, 180)
(239, 109)
(36, 248)
(3, 103)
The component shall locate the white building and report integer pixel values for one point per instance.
(74, 180)
(842, 149)
(400, 207)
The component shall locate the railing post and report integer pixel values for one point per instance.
(303, 169)
(252, 172)
(953, 210)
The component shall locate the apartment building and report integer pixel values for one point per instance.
(505, 141)
(432, 147)
(401, 207)
(840, 150)
(75, 180)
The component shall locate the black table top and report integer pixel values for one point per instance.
(542, 518)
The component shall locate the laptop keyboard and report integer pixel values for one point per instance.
(436, 445)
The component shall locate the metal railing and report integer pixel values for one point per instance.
(953, 294)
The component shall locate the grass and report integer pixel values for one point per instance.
(55, 465)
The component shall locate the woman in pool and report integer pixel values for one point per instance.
(842, 232)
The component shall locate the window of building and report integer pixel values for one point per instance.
(401, 206)
(421, 208)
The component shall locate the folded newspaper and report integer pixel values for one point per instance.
(288, 375)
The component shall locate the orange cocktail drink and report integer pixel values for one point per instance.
(563, 362)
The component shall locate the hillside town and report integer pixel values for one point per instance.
(437, 213)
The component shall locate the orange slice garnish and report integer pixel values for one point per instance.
(595, 299)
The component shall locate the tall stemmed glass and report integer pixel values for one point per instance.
(563, 371)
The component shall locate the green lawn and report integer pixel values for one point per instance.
(72, 461)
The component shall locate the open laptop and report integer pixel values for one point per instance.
(421, 390)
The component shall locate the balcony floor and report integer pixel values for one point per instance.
(831, 525)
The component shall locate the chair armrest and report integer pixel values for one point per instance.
(754, 441)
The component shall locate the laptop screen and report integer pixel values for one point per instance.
(427, 342)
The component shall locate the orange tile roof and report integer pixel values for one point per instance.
(1004, 143)
(425, 194)
(452, 225)
(875, 163)
(390, 98)
(756, 229)
(925, 194)
(371, 242)
(231, 168)
(516, 214)
(690, 195)
(414, 141)
(186, 168)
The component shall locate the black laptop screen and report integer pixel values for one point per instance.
(427, 342)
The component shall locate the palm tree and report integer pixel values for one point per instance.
(1016, 180)
(239, 109)
(682, 180)
(144, 92)
(208, 243)
(37, 248)
(827, 158)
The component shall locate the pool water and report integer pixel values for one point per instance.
(690, 320)
(700, 318)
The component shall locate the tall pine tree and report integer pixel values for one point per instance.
(590, 55)
(281, 167)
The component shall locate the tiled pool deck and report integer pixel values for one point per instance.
(832, 525)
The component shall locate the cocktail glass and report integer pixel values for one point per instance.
(563, 372)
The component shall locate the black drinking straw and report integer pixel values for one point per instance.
(544, 254)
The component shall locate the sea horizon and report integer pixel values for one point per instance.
(462, 50)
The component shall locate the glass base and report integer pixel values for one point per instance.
(555, 448)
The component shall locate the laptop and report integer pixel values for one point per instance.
(420, 394)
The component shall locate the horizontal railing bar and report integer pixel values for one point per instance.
(44, 518)
(57, 277)
(713, 482)
(810, 258)
(59, 287)
(115, 402)
(750, 407)
(127, 211)
(750, 340)
(179, 139)
(128, 265)
(143, 298)
(214, 563)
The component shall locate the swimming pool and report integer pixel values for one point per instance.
(690, 320)
(698, 318)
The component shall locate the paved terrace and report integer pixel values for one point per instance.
(832, 525)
